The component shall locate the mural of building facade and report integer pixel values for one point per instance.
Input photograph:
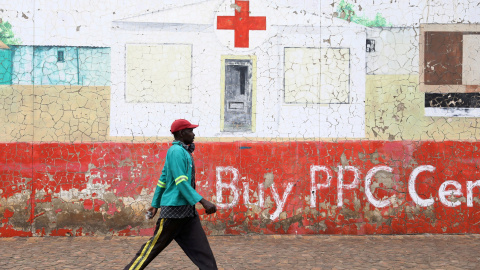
(316, 117)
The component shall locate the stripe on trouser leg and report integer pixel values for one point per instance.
(148, 248)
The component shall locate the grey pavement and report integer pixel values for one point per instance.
(252, 252)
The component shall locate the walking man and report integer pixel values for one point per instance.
(176, 196)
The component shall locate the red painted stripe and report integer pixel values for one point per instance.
(106, 179)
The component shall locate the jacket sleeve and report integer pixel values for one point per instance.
(178, 164)
(157, 197)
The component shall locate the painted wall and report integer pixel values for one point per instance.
(346, 187)
(343, 124)
(275, 113)
(49, 69)
(54, 113)
(23, 65)
(5, 66)
(94, 66)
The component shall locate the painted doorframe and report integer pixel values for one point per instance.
(253, 58)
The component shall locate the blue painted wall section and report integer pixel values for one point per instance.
(48, 69)
(94, 66)
(54, 65)
(22, 63)
(5, 66)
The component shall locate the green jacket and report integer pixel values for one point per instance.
(174, 186)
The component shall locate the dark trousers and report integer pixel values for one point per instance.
(189, 235)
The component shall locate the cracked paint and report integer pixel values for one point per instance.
(316, 117)
(106, 198)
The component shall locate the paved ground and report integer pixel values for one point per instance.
(252, 252)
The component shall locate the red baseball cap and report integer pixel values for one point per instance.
(180, 124)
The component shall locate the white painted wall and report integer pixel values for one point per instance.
(396, 51)
(274, 117)
(115, 23)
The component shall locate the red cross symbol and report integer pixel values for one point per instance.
(242, 23)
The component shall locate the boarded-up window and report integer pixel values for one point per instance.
(159, 73)
(443, 58)
(450, 73)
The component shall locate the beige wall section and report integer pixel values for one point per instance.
(71, 113)
(317, 75)
(16, 114)
(58, 113)
(394, 110)
(159, 73)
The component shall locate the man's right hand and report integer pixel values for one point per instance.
(153, 210)
(210, 208)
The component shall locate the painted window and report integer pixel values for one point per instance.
(370, 45)
(158, 73)
(60, 56)
(317, 75)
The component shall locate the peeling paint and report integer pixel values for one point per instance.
(355, 119)
(82, 194)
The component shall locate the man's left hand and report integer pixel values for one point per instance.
(210, 208)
